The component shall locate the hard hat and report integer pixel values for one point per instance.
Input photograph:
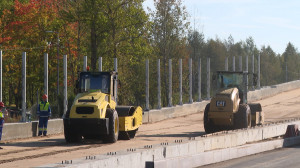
(45, 96)
(1, 104)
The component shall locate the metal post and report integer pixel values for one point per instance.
(245, 79)
(252, 82)
(158, 85)
(258, 72)
(24, 86)
(100, 64)
(116, 64)
(247, 69)
(199, 80)
(147, 85)
(247, 63)
(180, 82)
(46, 74)
(37, 97)
(286, 72)
(84, 63)
(170, 83)
(116, 83)
(65, 85)
(233, 63)
(1, 75)
(208, 78)
(226, 64)
(57, 64)
(190, 81)
(240, 63)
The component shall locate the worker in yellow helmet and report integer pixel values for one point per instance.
(43, 113)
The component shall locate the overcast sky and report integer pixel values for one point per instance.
(268, 22)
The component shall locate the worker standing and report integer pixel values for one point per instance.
(1, 119)
(43, 113)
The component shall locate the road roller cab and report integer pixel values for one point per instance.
(229, 107)
(95, 114)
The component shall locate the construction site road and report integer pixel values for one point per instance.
(39, 151)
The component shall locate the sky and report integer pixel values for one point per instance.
(272, 23)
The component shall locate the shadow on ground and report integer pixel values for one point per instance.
(185, 134)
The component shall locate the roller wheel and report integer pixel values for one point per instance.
(71, 137)
(112, 115)
(254, 107)
(208, 124)
(242, 118)
(132, 133)
(127, 135)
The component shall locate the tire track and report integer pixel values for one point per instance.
(44, 154)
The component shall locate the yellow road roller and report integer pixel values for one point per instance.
(94, 113)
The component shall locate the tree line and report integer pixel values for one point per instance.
(120, 29)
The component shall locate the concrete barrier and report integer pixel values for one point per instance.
(272, 90)
(172, 112)
(30, 129)
(220, 155)
(195, 152)
(26, 130)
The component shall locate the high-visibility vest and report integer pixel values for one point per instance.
(1, 114)
(44, 109)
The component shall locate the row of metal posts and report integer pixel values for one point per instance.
(45, 81)
(246, 69)
(115, 68)
(190, 79)
(180, 82)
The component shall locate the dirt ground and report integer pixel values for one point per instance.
(39, 151)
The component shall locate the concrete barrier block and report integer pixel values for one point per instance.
(208, 158)
(241, 151)
(270, 145)
(55, 126)
(192, 147)
(172, 151)
(199, 159)
(255, 134)
(215, 143)
(19, 130)
(145, 117)
(217, 156)
(199, 146)
(226, 154)
(281, 129)
(218, 142)
(157, 153)
(159, 115)
(253, 149)
(207, 143)
(232, 153)
(241, 137)
(179, 150)
(273, 130)
(227, 141)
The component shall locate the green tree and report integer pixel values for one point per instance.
(196, 46)
(169, 29)
(290, 60)
(270, 67)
